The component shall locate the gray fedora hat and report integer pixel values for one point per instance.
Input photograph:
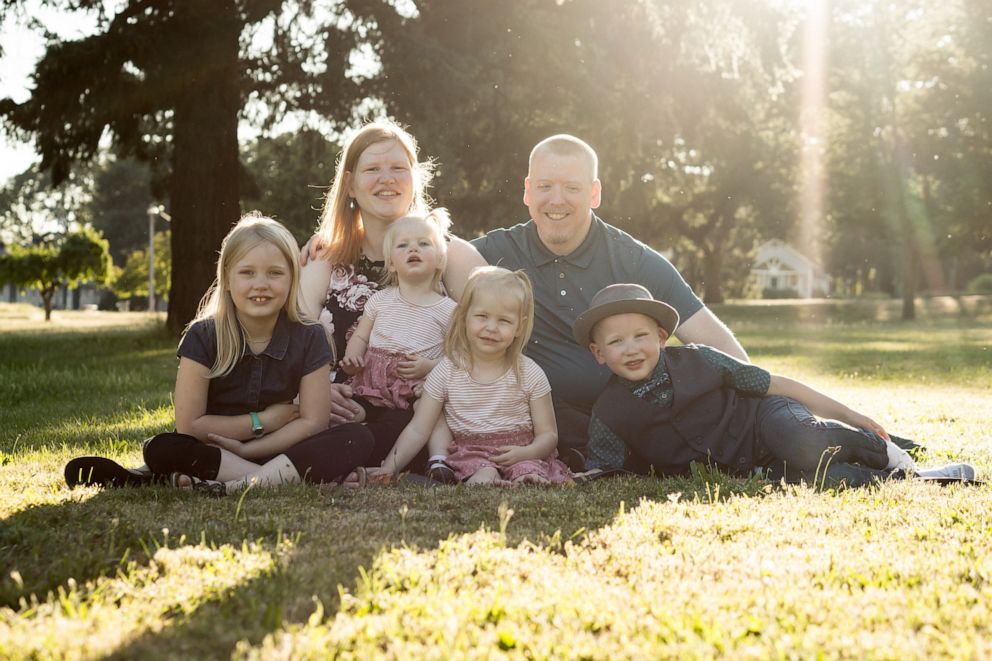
(620, 299)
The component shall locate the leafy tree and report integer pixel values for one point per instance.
(30, 206)
(167, 81)
(911, 152)
(288, 176)
(726, 181)
(674, 96)
(83, 256)
(119, 204)
(131, 280)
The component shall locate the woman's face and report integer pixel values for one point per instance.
(382, 182)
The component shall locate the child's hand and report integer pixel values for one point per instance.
(229, 444)
(352, 365)
(508, 455)
(414, 367)
(864, 422)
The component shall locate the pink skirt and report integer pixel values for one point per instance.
(379, 383)
(472, 452)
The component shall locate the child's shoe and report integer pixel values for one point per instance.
(439, 471)
(948, 473)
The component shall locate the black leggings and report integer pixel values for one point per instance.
(325, 457)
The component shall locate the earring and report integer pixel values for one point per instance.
(351, 204)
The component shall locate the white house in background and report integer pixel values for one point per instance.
(779, 266)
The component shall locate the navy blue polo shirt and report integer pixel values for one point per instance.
(564, 287)
(258, 380)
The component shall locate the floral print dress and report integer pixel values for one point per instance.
(349, 289)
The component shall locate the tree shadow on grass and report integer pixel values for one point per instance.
(333, 533)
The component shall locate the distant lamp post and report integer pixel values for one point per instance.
(154, 210)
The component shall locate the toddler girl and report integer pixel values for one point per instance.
(496, 401)
(400, 337)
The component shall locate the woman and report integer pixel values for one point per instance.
(378, 181)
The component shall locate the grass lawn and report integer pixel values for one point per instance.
(625, 568)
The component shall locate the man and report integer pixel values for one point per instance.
(570, 254)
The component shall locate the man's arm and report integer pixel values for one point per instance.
(704, 327)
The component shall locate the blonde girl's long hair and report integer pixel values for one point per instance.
(252, 230)
(491, 281)
(341, 229)
(437, 222)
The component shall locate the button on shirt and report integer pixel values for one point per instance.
(607, 451)
(564, 287)
(258, 380)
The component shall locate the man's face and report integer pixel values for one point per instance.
(561, 193)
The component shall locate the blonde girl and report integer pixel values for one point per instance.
(400, 337)
(242, 362)
(496, 401)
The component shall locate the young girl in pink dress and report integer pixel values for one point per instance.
(496, 401)
(400, 337)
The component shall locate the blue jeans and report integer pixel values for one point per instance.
(796, 445)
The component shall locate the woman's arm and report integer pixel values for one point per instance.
(463, 258)
(314, 279)
(821, 405)
(315, 410)
(542, 412)
(413, 437)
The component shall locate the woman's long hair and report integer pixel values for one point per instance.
(341, 230)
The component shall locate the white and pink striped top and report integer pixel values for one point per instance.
(471, 407)
(401, 326)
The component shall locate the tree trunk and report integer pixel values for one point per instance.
(712, 270)
(46, 297)
(204, 185)
(908, 272)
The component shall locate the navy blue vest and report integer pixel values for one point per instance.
(707, 422)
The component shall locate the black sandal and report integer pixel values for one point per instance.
(440, 471)
(209, 487)
(105, 472)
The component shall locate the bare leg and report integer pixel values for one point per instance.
(278, 470)
(441, 438)
(233, 467)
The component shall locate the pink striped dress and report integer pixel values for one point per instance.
(485, 416)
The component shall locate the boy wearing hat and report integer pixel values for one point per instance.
(666, 408)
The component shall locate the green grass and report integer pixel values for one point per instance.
(629, 568)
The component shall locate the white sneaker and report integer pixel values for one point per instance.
(958, 472)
